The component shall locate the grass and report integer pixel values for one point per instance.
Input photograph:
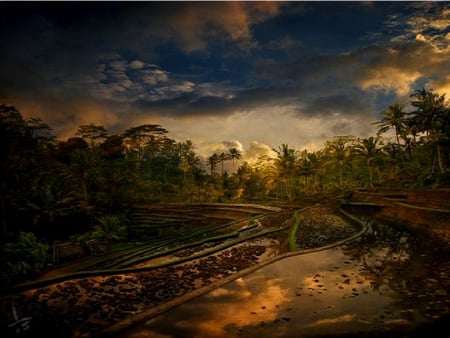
(293, 233)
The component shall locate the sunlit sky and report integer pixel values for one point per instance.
(250, 75)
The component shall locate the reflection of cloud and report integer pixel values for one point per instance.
(254, 306)
(329, 321)
(149, 334)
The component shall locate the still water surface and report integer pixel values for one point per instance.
(384, 281)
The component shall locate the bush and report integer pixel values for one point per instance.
(110, 228)
(27, 256)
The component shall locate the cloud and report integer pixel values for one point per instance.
(118, 80)
(136, 64)
(422, 18)
(334, 106)
(389, 68)
(388, 79)
(195, 24)
(286, 44)
(441, 85)
(71, 114)
(227, 145)
(154, 76)
(72, 67)
(401, 66)
(257, 150)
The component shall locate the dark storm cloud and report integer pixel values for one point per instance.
(341, 128)
(192, 105)
(58, 49)
(339, 105)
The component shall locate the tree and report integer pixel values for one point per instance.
(137, 140)
(339, 150)
(368, 149)
(39, 130)
(11, 121)
(113, 147)
(222, 158)
(93, 133)
(431, 116)
(19, 165)
(285, 164)
(234, 154)
(190, 161)
(212, 161)
(309, 164)
(393, 117)
(81, 170)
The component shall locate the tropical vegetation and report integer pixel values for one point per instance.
(53, 189)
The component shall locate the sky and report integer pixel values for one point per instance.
(250, 75)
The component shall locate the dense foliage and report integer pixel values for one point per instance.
(55, 188)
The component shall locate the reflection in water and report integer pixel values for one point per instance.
(380, 282)
(254, 298)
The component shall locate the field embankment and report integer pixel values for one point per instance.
(419, 210)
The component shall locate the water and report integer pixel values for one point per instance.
(386, 281)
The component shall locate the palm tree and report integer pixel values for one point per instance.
(393, 117)
(212, 161)
(189, 160)
(309, 164)
(285, 164)
(430, 117)
(339, 149)
(222, 158)
(234, 155)
(368, 149)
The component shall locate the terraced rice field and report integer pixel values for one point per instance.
(178, 251)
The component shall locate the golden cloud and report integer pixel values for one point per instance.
(441, 86)
(390, 79)
(196, 22)
(253, 308)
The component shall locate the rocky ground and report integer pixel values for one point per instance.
(85, 307)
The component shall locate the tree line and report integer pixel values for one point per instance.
(56, 188)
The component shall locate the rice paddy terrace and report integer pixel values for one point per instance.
(161, 220)
(169, 234)
(175, 252)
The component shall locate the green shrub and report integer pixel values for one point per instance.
(23, 258)
(110, 228)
